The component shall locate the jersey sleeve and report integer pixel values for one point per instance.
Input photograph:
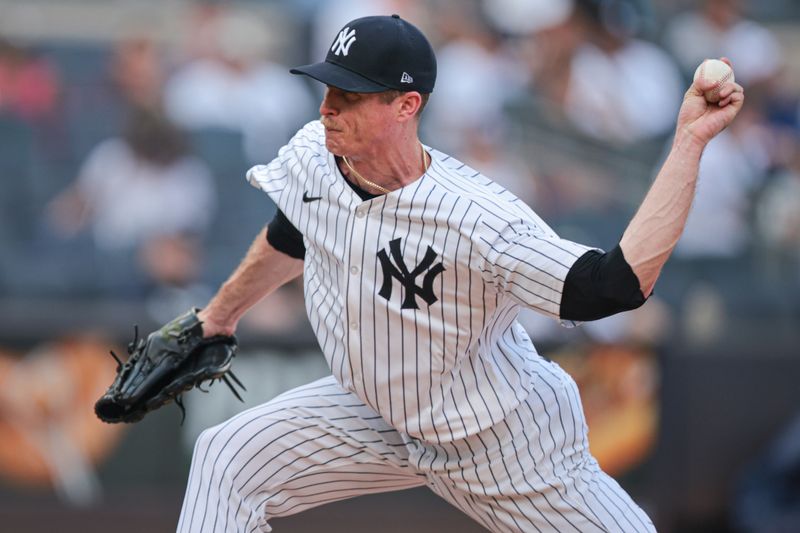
(284, 237)
(528, 263)
(284, 177)
(301, 169)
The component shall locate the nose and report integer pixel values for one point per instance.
(326, 108)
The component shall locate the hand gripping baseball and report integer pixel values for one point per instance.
(702, 119)
(172, 360)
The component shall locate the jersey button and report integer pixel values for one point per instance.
(353, 325)
(354, 270)
(361, 212)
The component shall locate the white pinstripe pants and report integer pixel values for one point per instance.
(318, 443)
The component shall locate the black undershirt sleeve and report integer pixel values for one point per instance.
(600, 285)
(284, 237)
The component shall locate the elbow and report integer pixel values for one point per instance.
(600, 285)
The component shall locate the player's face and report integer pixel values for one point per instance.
(356, 123)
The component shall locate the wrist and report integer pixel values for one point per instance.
(216, 322)
(688, 143)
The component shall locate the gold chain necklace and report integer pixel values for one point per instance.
(383, 190)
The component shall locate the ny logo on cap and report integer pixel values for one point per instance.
(342, 43)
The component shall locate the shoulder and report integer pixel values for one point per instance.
(489, 212)
(484, 195)
(305, 149)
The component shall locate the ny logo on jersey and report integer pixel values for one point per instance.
(406, 278)
(343, 42)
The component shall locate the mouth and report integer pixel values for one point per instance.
(328, 127)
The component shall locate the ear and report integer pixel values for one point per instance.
(407, 105)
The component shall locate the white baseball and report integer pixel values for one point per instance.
(717, 71)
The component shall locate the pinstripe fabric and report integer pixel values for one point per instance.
(319, 443)
(445, 370)
(532, 471)
(312, 445)
(413, 297)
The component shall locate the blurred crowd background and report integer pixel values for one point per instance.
(126, 128)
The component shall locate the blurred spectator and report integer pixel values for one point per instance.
(128, 75)
(137, 71)
(476, 77)
(736, 164)
(234, 87)
(200, 39)
(621, 89)
(523, 17)
(142, 192)
(28, 86)
(719, 224)
(548, 51)
(717, 28)
(778, 210)
(599, 106)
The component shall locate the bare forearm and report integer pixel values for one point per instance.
(655, 229)
(262, 270)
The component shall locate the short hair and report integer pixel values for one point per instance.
(387, 97)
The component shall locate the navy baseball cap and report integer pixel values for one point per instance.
(376, 54)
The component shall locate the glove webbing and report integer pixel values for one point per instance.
(133, 346)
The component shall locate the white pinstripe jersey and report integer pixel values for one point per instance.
(438, 353)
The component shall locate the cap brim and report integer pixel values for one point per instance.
(339, 77)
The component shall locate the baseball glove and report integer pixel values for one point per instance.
(174, 359)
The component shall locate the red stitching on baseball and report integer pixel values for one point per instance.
(718, 85)
(714, 91)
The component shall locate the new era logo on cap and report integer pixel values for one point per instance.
(375, 54)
